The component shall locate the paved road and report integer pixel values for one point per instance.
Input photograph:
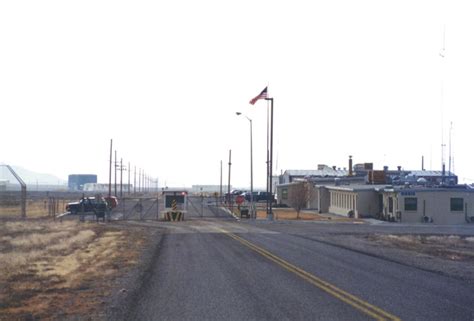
(214, 268)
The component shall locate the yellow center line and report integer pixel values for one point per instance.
(352, 300)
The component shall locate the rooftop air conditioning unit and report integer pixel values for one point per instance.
(427, 219)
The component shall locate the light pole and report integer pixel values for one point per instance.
(252, 213)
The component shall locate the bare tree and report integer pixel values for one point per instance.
(298, 196)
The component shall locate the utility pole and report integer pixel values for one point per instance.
(229, 198)
(128, 178)
(139, 180)
(115, 184)
(110, 170)
(134, 180)
(121, 175)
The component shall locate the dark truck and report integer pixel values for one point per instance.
(89, 205)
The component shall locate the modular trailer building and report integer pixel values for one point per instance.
(418, 204)
(76, 182)
(453, 205)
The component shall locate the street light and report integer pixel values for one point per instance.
(252, 214)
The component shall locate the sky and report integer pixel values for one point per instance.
(164, 79)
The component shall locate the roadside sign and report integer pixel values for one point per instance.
(239, 199)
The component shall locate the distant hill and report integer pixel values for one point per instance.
(30, 177)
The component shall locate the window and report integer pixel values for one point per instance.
(390, 204)
(284, 193)
(457, 204)
(411, 204)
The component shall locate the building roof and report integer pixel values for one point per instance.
(455, 188)
(328, 171)
(358, 187)
(430, 173)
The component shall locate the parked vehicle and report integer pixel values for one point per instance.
(247, 196)
(234, 193)
(112, 201)
(263, 196)
(89, 205)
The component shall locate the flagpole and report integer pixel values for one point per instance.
(270, 164)
(268, 157)
(264, 95)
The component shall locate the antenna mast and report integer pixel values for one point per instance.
(442, 55)
(450, 155)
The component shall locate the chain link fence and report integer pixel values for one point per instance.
(37, 204)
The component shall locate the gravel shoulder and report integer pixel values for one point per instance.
(128, 286)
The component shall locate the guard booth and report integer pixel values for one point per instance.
(175, 205)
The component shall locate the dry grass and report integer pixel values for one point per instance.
(452, 247)
(34, 208)
(45, 264)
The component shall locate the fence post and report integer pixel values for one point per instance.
(53, 208)
(82, 217)
(157, 208)
(141, 209)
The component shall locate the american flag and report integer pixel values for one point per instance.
(262, 95)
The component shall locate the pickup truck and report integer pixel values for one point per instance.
(89, 205)
(259, 196)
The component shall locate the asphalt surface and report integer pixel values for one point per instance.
(212, 267)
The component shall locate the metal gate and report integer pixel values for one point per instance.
(136, 208)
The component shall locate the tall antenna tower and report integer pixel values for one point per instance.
(442, 55)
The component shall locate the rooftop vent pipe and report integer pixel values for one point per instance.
(350, 165)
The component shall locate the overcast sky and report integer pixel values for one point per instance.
(165, 78)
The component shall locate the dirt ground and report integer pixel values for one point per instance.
(290, 214)
(52, 270)
(59, 270)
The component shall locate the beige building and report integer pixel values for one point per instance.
(422, 205)
(354, 201)
(454, 205)
(347, 200)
